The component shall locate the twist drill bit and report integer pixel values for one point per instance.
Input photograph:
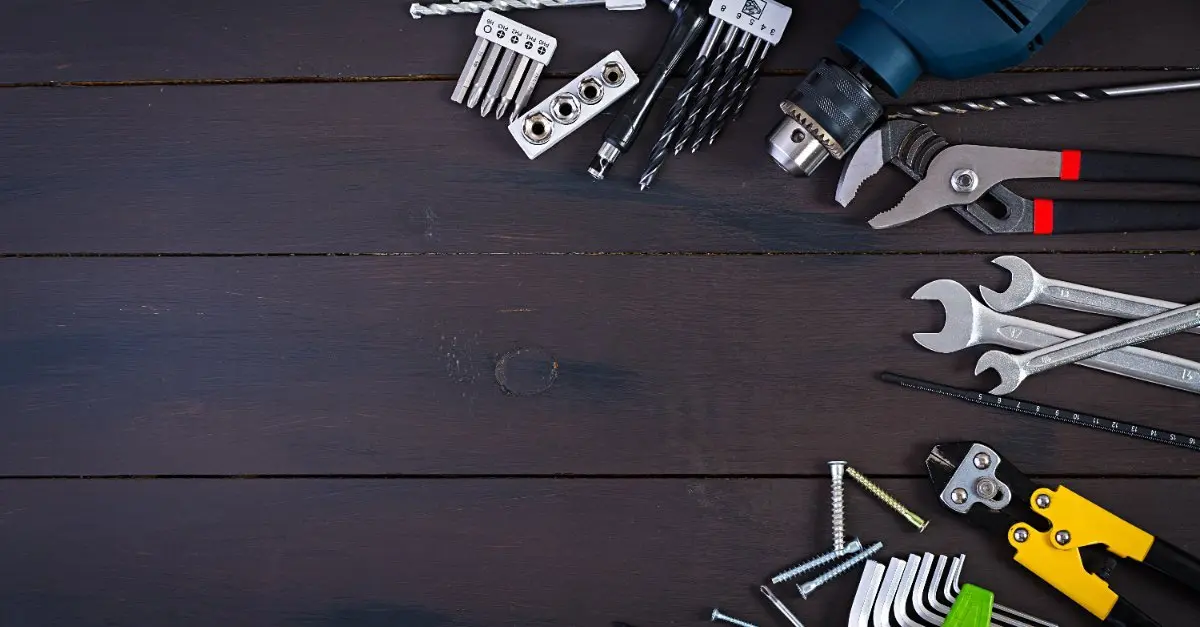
(710, 81)
(701, 95)
(675, 118)
(417, 10)
(744, 95)
(718, 98)
(957, 107)
(731, 99)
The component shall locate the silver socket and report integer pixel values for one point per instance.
(590, 90)
(537, 128)
(565, 108)
(613, 74)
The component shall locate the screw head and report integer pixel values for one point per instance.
(986, 488)
(854, 546)
(958, 495)
(1063, 537)
(982, 460)
(1021, 534)
(716, 615)
(806, 589)
(1042, 500)
(964, 180)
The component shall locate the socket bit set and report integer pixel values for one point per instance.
(504, 66)
(556, 117)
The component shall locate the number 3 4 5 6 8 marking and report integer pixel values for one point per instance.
(753, 21)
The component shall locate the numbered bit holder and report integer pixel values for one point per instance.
(556, 117)
(735, 48)
(504, 66)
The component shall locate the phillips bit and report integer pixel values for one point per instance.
(735, 92)
(728, 76)
(675, 118)
(510, 88)
(485, 72)
(470, 70)
(499, 79)
(697, 109)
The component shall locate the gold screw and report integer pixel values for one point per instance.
(889, 500)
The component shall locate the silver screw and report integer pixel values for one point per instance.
(837, 470)
(986, 488)
(782, 608)
(889, 500)
(982, 460)
(1063, 537)
(964, 181)
(807, 587)
(1021, 534)
(1043, 501)
(718, 616)
(854, 546)
(958, 495)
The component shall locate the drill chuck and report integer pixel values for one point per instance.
(827, 114)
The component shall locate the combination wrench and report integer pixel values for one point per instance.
(970, 323)
(1028, 287)
(1013, 369)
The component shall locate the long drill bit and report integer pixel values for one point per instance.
(710, 81)
(696, 103)
(1094, 94)
(744, 95)
(731, 99)
(718, 98)
(695, 75)
(417, 10)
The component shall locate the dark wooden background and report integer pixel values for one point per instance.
(289, 339)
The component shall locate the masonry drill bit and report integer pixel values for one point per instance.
(675, 118)
(722, 91)
(696, 110)
(417, 10)
(744, 93)
(1094, 94)
(731, 99)
(499, 79)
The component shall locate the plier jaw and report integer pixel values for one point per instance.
(1049, 529)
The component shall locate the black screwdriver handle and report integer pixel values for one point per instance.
(1125, 614)
(1129, 167)
(690, 20)
(1113, 216)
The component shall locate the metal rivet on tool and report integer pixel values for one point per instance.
(1043, 501)
(959, 496)
(1021, 534)
(986, 488)
(964, 180)
(982, 460)
(1063, 537)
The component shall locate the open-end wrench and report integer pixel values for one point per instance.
(970, 323)
(1028, 287)
(1013, 369)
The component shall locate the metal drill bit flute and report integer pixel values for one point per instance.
(744, 90)
(728, 77)
(675, 118)
(732, 98)
(702, 93)
(1094, 94)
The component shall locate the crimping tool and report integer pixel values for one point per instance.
(1056, 533)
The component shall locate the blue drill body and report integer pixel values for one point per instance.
(898, 40)
(894, 42)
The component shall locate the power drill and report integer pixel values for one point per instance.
(891, 43)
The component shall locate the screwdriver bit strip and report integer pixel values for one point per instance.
(504, 65)
(580, 100)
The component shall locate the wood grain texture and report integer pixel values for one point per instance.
(611, 364)
(487, 553)
(397, 168)
(61, 40)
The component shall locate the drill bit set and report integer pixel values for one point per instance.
(720, 78)
(504, 66)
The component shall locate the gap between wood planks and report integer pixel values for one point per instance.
(598, 253)
(824, 476)
(419, 78)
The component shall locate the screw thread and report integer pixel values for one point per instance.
(837, 501)
(853, 547)
(808, 587)
(887, 499)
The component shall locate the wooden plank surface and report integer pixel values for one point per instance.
(476, 553)
(123, 40)
(397, 168)
(400, 365)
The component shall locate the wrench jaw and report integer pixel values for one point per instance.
(1006, 365)
(961, 311)
(1023, 287)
